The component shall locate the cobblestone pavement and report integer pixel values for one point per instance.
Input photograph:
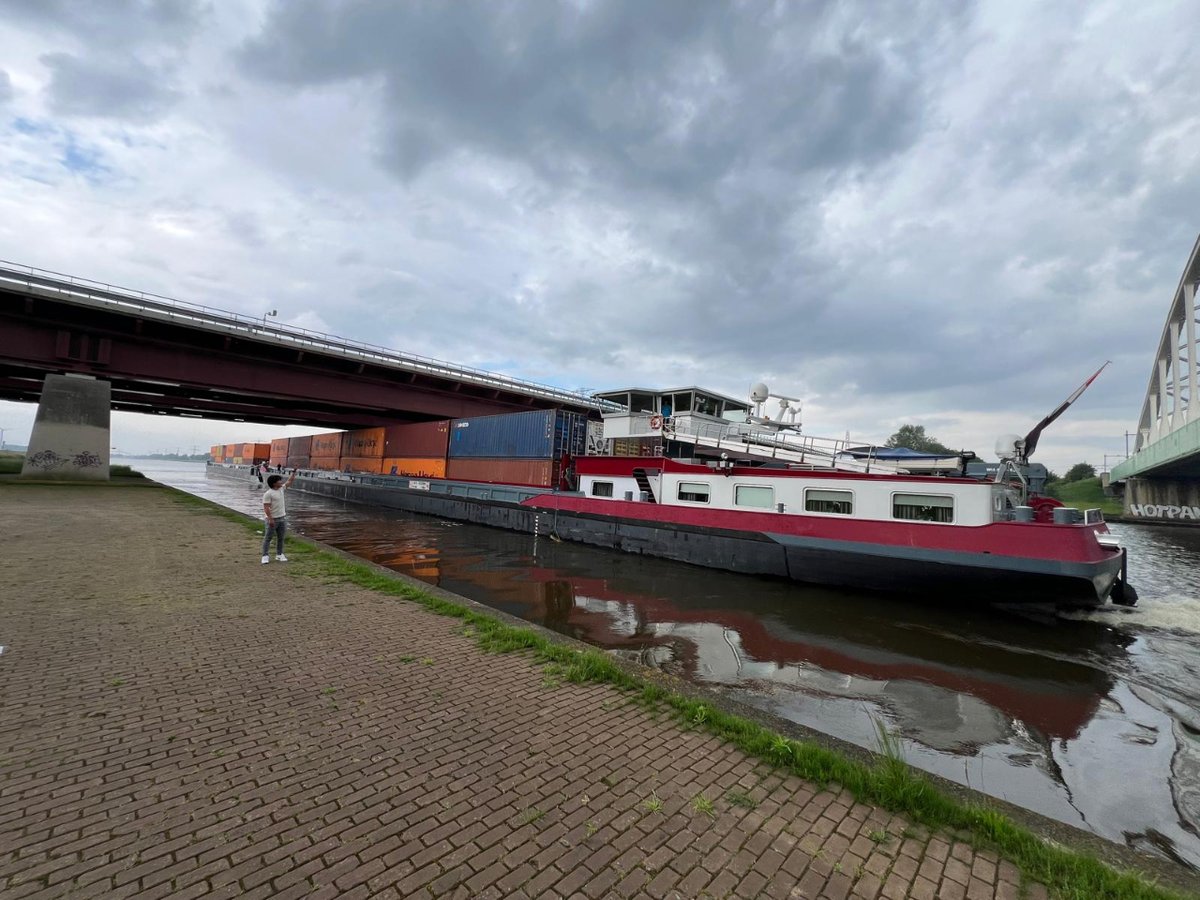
(179, 720)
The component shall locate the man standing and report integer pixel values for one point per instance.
(275, 513)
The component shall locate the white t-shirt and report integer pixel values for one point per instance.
(274, 497)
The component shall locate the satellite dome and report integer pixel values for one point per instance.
(1008, 446)
(759, 392)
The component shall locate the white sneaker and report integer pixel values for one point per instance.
(281, 558)
(266, 559)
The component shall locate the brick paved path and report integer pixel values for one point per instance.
(178, 720)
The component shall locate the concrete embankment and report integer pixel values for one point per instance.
(180, 719)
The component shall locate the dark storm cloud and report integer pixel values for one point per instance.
(124, 88)
(113, 22)
(716, 130)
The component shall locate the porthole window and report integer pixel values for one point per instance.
(821, 501)
(754, 495)
(923, 507)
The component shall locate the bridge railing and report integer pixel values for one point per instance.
(160, 306)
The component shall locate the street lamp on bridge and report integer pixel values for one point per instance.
(273, 312)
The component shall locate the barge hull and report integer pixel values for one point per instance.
(951, 577)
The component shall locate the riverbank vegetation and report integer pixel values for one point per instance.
(1085, 493)
(11, 463)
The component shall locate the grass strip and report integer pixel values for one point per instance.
(890, 783)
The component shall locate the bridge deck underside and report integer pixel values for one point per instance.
(172, 369)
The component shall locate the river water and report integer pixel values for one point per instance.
(1092, 718)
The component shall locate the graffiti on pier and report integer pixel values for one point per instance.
(1160, 511)
(49, 459)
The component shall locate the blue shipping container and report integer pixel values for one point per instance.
(537, 434)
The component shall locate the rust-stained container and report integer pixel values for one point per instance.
(232, 450)
(261, 452)
(423, 440)
(535, 472)
(299, 446)
(362, 465)
(279, 448)
(324, 463)
(296, 462)
(325, 446)
(415, 467)
(363, 443)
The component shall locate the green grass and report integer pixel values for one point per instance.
(11, 465)
(1085, 494)
(889, 783)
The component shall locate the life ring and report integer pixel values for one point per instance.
(656, 423)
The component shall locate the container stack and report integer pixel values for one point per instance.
(362, 451)
(518, 448)
(279, 452)
(217, 453)
(417, 450)
(326, 451)
(298, 450)
(233, 454)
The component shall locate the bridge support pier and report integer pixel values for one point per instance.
(1166, 499)
(70, 440)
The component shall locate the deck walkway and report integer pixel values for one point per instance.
(179, 721)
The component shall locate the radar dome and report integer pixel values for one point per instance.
(1007, 446)
(759, 392)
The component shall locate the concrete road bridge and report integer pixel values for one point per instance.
(81, 348)
(1162, 478)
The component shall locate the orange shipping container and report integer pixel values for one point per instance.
(279, 447)
(325, 446)
(415, 467)
(536, 472)
(363, 465)
(417, 439)
(262, 452)
(278, 461)
(324, 463)
(233, 449)
(297, 462)
(362, 443)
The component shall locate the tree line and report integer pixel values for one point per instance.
(914, 437)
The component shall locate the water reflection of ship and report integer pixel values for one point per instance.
(924, 660)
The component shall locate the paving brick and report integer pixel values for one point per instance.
(272, 734)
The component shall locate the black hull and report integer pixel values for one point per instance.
(859, 566)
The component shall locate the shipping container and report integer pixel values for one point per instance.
(296, 462)
(324, 463)
(363, 443)
(537, 434)
(233, 450)
(299, 446)
(279, 461)
(228, 460)
(238, 460)
(262, 452)
(415, 466)
(424, 440)
(217, 452)
(279, 448)
(325, 446)
(363, 465)
(536, 472)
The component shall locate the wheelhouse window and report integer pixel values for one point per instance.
(642, 403)
(693, 491)
(821, 501)
(923, 507)
(602, 488)
(754, 495)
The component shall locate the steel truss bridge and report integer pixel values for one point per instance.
(1168, 433)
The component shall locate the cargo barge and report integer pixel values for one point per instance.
(704, 479)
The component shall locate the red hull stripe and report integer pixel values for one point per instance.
(1064, 543)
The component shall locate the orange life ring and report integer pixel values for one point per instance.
(656, 423)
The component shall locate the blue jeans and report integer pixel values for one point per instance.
(279, 529)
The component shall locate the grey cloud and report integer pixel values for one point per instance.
(122, 23)
(108, 88)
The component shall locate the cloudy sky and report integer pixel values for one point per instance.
(942, 213)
